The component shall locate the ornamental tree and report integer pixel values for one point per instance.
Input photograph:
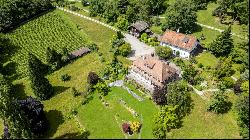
(15, 122)
(223, 44)
(165, 120)
(125, 49)
(179, 94)
(219, 103)
(189, 74)
(164, 52)
(93, 78)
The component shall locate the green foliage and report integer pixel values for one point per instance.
(223, 44)
(200, 65)
(40, 85)
(52, 57)
(102, 88)
(25, 9)
(228, 82)
(164, 121)
(122, 23)
(179, 94)
(11, 113)
(242, 106)
(74, 92)
(237, 9)
(245, 86)
(219, 103)
(92, 47)
(144, 37)
(164, 52)
(65, 77)
(181, 15)
(189, 73)
(125, 49)
(40, 33)
(223, 68)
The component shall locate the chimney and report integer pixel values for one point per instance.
(178, 30)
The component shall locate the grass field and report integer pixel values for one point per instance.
(101, 121)
(206, 125)
(205, 17)
(50, 30)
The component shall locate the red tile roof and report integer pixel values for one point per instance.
(180, 40)
(157, 70)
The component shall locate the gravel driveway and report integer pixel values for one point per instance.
(138, 48)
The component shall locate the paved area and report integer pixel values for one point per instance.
(138, 48)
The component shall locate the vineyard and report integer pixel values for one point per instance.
(52, 30)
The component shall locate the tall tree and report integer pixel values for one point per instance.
(242, 106)
(14, 118)
(179, 94)
(223, 44)
(165, 120)
(40, 85)
(181, 16)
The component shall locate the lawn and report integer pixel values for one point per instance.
(207, 59)
(101, 120)
(206, 125)
(205, 17)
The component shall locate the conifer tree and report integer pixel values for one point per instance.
(223, 44)
(40, 85)
(15, 121)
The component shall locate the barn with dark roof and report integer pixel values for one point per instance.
(139, 27)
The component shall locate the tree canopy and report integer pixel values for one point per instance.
(15, 11)
(223, 44)
(181, 16)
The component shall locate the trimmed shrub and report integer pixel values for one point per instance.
(219, 103)
(135, 126)
(126, 128)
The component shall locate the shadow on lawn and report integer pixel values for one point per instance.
(55, 118)
(59, 89)
(74, 135)
(19, 91)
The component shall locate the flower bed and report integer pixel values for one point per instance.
(131, 110)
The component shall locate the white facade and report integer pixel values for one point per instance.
(183, 53)
(146, 83)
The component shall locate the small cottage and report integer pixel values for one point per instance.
(182, 45)
(138, 28)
